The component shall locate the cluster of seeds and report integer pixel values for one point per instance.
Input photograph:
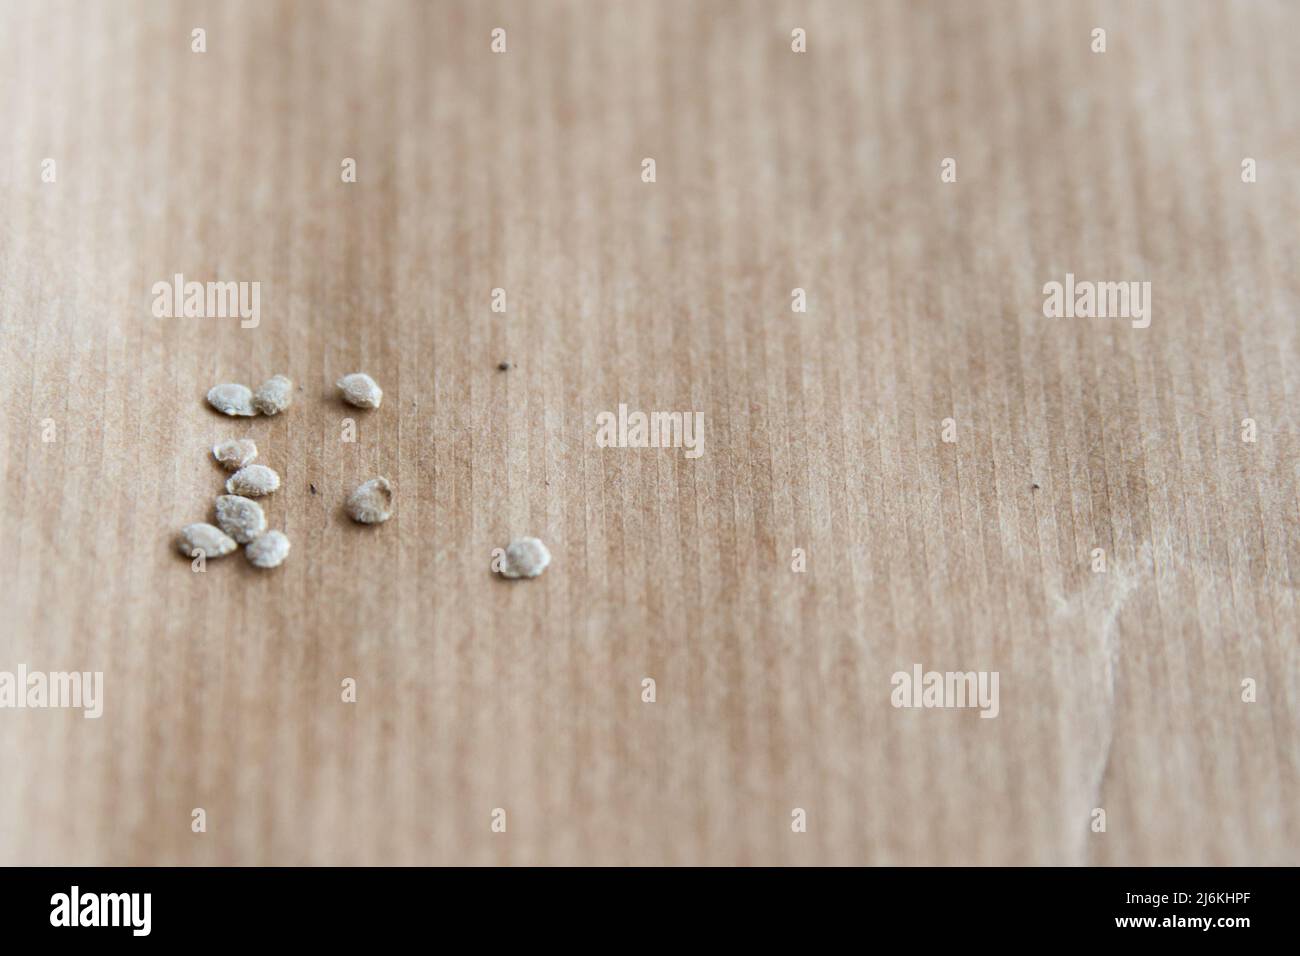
(240, 519)
(271, 398)
(372, 501)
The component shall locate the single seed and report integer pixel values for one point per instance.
(234, 453)
(312, 486)
(361, 390)
(232, 400)
(372, 502)
(212, 541)
(274, 395)
(253, 481)
(241, 518)
(525, 558)
(268, 551)
(504, 366)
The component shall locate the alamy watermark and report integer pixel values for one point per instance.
(130, 910)
(651, 430)
(946, 689)
(1098, 300)
(208, 300)
(23, 689)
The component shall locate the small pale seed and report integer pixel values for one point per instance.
(241, 518)
(525, 558)
(212, 541)
(361, 390)
(372, 502)
(234, 453)
(253, 481)
(274, 395)
(268, 551)
(232, 400)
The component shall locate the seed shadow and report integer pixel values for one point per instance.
(341, 517)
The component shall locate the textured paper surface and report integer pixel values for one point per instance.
(774, 171)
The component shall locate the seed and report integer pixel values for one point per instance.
(361, 390)
(504, 366)
(234, 453)
(268, 551)
(525, 558)
(274, 395)
(253, 481)
(372, 502)
(213, 542)
(232, 400)
(241, 518)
